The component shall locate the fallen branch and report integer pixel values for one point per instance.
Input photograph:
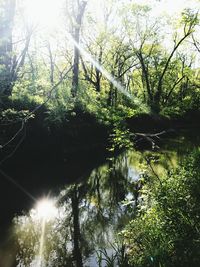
(150, 137)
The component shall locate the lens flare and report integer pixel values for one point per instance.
(105, 73)
(42, 245)
(44, 212)
(46, 209)
(45, 13)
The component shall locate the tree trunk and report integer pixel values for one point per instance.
(76, 229)
(78, 22)
(6, 49)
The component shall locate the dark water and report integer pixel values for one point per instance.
(94, 197)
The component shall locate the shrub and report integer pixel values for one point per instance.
(166, 231)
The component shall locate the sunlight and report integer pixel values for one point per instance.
(42, 245)
(44, 13)
(105, 73)
(169, 7)
(46, 209)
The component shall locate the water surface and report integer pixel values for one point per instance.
(95, 197)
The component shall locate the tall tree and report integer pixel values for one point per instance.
(11, 62)
(155, 61)
(77, 22)
(7, 9)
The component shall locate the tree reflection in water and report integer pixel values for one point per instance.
(90, 216)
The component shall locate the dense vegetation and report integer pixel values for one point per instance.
(165, 231)
(140, 63)
(106, 80)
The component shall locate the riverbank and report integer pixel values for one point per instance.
(81, 132)
(44, 164)
(148, 123)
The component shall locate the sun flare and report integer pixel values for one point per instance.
(45, 13)
(46, 209)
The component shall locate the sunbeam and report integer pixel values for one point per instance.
(14, 182)
(105, 73)
(46, 209)
(44, 212)
(45, 13)
(41, 247)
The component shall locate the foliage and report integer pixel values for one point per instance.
(166, 229)
(13, 116)
(133, 60)
(118, 257)
(59, 111)
(120, 138)
(127, 63)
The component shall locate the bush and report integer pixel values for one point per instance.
(166, 231)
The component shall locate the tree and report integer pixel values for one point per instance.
(165, 231)
(11, 62)
(77, 22)
(7, 9)
(155, 61)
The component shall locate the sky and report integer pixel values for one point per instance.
(170, 7)
(46, 12)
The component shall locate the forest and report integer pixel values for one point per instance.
(99, 133)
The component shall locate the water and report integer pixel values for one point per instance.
(95, 198)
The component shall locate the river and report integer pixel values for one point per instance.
(87, 200)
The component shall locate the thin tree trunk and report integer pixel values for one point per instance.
(75, 78)
(76, 229)
(6, 27)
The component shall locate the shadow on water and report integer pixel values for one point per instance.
(41, 176)
(96, 197)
